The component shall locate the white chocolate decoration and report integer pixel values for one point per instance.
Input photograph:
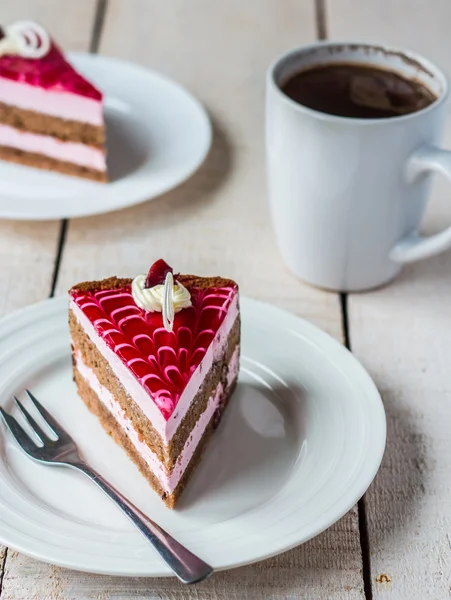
(168, 298)
(26, 39)
(168, 302)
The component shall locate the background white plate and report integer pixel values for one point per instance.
(299, 445)
(157, 136)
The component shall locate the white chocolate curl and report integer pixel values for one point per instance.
(26, 39)
(168, 302)
(168, 298)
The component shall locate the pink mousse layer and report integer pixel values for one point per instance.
(79, 154)
(62, 104)
(165, 428)
(168, 481)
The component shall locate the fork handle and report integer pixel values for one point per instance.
(186, 565)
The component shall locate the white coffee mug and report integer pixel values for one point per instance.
(347, 195)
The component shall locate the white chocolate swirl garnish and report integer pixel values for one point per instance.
(168, 298)
(26, 39)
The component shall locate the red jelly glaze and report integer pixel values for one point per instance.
(162, 362)
(51, 72)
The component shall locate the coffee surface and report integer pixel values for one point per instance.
(358, 91)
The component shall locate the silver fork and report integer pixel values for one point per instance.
(63, 451)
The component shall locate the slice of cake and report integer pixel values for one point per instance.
(50, 116)
(156, 358)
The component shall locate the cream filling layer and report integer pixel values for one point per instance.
(64, 105)
(76, 153)
(135, 390)
(168, 480)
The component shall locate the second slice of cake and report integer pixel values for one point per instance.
(156, 359)
(51, 117)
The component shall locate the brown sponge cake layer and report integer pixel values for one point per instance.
(111, 426)
(115, 283)
(40, 161)
(218, 372)
(169, 453)
(62, 129)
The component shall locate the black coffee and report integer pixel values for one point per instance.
(357, 90)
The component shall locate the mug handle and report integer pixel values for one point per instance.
(413, 246)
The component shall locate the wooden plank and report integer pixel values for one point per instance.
(408, 505)
(3, 553)
(408, 508)
(28, 250)
(217, 222)
(325, 568)
(61, 24)
(27, 259)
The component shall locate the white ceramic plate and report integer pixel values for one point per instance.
(158, 135)
(300, 443)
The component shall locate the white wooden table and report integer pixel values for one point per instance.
(397, 542)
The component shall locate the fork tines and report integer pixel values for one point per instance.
(22, 437)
